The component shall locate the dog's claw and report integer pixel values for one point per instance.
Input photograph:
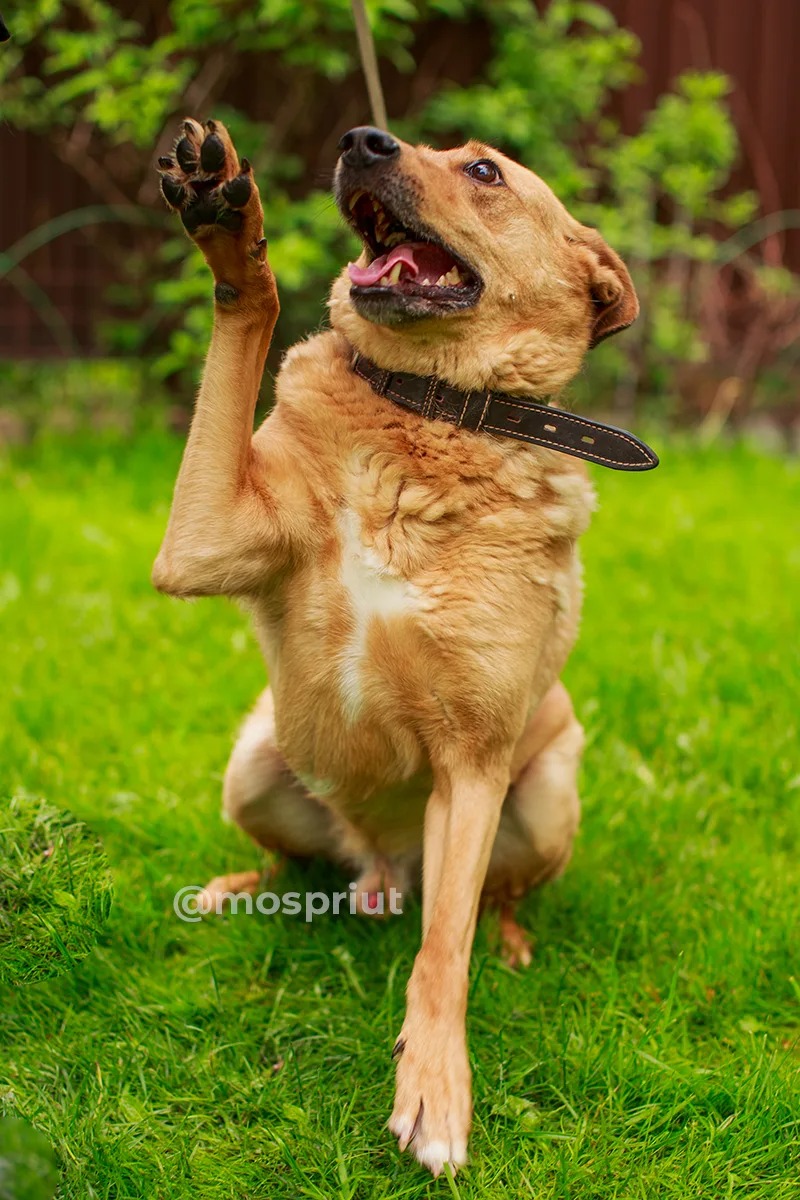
(166, 163)
(404, 1129)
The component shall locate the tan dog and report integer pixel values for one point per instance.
(414, 585)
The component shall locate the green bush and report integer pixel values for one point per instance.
(111, 89)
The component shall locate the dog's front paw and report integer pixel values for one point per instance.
(219, 205)
(433, 1099)
(203, 181)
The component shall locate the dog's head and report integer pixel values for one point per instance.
(471, 268)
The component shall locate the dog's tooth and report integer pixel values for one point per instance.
(441, 281)
(394, 274)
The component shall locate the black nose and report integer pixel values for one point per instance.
(366, 147)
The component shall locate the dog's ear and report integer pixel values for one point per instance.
(614, 299)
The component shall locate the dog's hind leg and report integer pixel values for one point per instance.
(263, 797)
(267, 800)
(540, 815)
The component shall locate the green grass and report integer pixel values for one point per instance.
(652, 1049)
(55, 890)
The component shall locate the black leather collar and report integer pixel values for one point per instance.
(512, 416)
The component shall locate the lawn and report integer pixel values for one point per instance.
(653, 1048)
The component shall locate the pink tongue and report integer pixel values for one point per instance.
(425, 261)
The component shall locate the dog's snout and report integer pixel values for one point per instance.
(366, 146)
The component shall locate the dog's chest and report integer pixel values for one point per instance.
(375, 593)
(342, 638)
(421, 603)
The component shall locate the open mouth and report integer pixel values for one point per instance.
(416, 273)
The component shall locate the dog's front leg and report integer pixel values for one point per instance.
(433, 1103)
(225, 525)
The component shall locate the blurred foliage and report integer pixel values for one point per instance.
(99, 67)
(28, 1168)
(61, 397)
(107, 90)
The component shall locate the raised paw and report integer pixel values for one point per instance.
(218, 202)
(203, 181)
(433, 1100)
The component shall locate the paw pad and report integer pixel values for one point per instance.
(212, 153)
(186, 156)
(203, 181)
(173, 192)
(237, 191)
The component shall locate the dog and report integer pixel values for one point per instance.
(411, 572)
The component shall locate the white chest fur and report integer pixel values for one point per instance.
(374, 593)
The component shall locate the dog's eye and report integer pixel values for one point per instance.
(484, 170)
